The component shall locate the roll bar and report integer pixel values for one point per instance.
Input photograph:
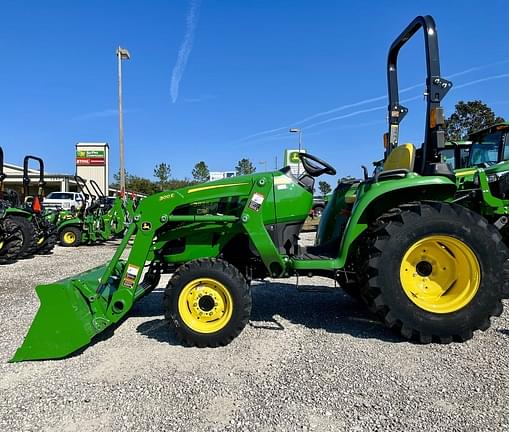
(26, 178)
(96, 188)
(436, 88)
(82, 186)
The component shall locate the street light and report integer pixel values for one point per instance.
(299, 131)
(122, 54)
(264, 163)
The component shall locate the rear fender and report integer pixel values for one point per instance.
(13, 211)
(375, 199)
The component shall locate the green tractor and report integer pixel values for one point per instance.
(79, 227)
(483, 185)
(38, 234)
(97, 221)
(484, 149)
(429, 268)
(112, 214)
(456, 154)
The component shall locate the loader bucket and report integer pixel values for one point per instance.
(64, 322)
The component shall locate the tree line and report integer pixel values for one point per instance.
(163, 179)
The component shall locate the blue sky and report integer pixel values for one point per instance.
(245, 68)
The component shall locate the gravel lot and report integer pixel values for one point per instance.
(306, 361)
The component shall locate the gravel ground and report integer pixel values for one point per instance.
(306, 361)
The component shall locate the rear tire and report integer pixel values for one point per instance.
(70, 236)
(434, 272)
(28, 234)
(11, 241)
(207, 303)
(49, 237)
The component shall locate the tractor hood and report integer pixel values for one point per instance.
(499, 168)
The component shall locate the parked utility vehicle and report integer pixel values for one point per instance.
(63, 201)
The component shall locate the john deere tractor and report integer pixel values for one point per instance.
(483, 184)
(38, 235)
(429, 268)
(98, 220)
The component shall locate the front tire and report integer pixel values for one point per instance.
(433, 272)
(70, 236)
(207, 303)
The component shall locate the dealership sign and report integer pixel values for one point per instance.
(90, 157)
(293, 161)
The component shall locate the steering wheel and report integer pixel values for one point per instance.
(312, 169)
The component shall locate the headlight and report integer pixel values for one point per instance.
(492, 178)
(496, 176)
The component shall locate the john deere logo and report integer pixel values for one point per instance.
(146, 226)
(294, 157)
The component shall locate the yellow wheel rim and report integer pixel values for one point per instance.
(440, 274)
(40, 241)
(69, 237)
(1, 244)
(205, 305)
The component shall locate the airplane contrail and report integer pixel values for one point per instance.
(375, 99)
(490, 78)
(185, 49)
(384, 107)
(356, 113)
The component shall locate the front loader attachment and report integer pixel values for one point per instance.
(76, 309)
(67, 318)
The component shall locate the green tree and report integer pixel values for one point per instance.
(324, 187)
(469, 117)
(162, 173)
(180, 183)
(201, 172)
(245, 166)
(141, 185)
(116, 179)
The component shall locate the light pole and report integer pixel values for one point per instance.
(122, 54)
(264, 163)
(299, 131)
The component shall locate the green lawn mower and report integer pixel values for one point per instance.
(429, 268)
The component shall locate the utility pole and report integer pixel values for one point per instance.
(122, 54)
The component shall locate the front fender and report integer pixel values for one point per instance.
(377, 198)
(74, 222)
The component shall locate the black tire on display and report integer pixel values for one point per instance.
(28, 234)
(11, 241)
(50, 238)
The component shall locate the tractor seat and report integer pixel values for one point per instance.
(401, 158)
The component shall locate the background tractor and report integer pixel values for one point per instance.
(37, 234)
(429, 268)
(99, 219)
